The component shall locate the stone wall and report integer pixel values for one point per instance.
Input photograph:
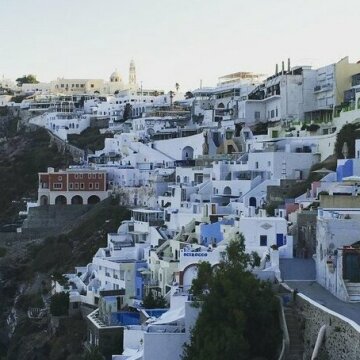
(342, 338)
(278, 194)
(77, 153)
(304, 233)
(339, 201)
(47, 220)
(137, 196)
(99, 122)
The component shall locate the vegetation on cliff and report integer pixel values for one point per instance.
(24, 155)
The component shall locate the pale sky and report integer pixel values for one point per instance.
(172, 40)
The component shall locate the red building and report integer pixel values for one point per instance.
(72, 186)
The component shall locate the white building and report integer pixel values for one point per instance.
(337, 252)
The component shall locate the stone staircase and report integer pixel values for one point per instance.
(353, 290)
(296, 347)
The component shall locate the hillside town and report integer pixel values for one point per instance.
(275, 159)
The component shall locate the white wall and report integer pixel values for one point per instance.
(174, 147)
(253, 227)
(333, 234)
(163, 346)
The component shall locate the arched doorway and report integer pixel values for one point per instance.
(190, 272)
(60, 200)
(44, 200)
(227, 190)
(77, 200)
(252, 201)
(187, 153)
(93, 199)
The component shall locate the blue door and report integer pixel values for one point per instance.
(279, 240)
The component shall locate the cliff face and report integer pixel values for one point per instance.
(26, 271)
(28, 260)
(22, 155)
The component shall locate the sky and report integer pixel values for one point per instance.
(172, 41)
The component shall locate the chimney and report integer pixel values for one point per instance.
(282, 67)
(276, 69)
(288, 64)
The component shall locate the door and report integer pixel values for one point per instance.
(352, 267)
(279, 240)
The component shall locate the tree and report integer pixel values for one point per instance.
(154, 302)
(27, 79)
(177, 87)
(127, 112)
(93, 354)
(189, 95)
(239, 313)
(349, 133)
(59, 304)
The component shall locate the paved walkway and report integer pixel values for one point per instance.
(297, 269)
(300, 274)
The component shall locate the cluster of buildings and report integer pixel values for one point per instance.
(197, 170)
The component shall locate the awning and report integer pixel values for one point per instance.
(171, 316)
(323, 171)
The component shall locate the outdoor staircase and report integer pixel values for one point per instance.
(296, 348)
(353, 289)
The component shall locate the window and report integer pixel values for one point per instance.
(91, 186)
(89, 176)
(59, 178)
(256, 165)
(82, 186)
(92, 85)
(97, 186)
(269, 163)
(76, 176)
(263, 240)
(81, 176)
(257, 115)
(71, 186)
(276, 112)
(57, 186)
(272, 113)
(94, 176)
(76, 186)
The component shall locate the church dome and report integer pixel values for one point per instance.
(115, 77)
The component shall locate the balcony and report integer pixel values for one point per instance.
(321, 88)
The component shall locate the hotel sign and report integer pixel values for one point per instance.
(196, 254)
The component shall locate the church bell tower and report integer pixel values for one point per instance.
(132, 74)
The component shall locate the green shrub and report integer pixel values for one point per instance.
(59, 304)
(3, 251)
(27, 301)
